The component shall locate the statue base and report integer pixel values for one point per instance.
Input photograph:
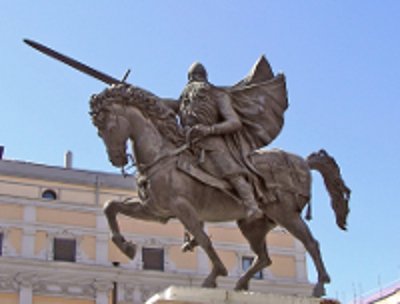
(192, 295)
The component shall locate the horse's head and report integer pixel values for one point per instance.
(124, 111)
(108, 115)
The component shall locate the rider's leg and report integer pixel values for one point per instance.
(224, 165)
(245, 192)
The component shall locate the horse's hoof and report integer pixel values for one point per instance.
(241, 287)
(129, 249)
(209, 284)
(118, 239)
(319, 290)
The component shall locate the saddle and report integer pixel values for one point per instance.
(188, 164)
(279, 171)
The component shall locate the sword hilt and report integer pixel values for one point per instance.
(126, 75)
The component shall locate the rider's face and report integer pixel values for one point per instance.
(197, 77)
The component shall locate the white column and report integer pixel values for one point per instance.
(167, 263)
(25, 295)
(120, 292)
(102, 289)
(300, 258)
(28, 243)
(101, 297)
(28, 237)
(137, 295)
(101, 239)
(25, 283)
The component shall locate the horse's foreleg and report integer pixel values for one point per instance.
(111, 209)
(255, 232)
(188, 217)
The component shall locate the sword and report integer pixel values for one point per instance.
(75, 64)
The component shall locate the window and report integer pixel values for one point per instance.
(246, 263)
(49, 194)
(153, 258)
(64, 250)
(1, 243)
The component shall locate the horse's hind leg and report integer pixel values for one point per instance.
(190, 242)
(293, 222)
(255, 232)
(185, 212)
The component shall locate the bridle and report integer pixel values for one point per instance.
(146, 167)
(132, 164)
(143, 168)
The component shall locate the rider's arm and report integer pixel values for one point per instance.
(231, 122)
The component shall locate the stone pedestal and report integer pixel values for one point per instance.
(192, 295)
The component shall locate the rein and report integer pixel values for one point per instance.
(146, 171)
(146, 167)
(124, 170)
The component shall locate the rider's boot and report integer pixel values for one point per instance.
(245, 191)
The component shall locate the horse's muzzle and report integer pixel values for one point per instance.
(118, 160)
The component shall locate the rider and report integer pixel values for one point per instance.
(206, 112)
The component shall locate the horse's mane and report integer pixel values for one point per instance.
(151, 106)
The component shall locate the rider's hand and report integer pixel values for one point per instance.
(199, 131)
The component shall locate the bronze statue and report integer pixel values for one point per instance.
(216, 130)
(205, 166)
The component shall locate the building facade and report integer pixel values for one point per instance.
(387, 295)
(55, 245)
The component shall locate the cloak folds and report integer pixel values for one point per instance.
(260, 101)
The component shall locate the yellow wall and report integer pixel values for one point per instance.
(59, 300)
(84, 194)
(40, 241)
(22, 190)
(15, 239)
(115, 255)
(104, 197)
(11, 212)
(54, 216)
(171, 229)
(183, 260)
(88, 245)
(232, 235)
(9, 298)
(229, 258)
(31, 182)
(115, 194)
(280, 239)
(283, 266)
(77, 196)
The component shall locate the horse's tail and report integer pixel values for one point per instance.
(338, 191)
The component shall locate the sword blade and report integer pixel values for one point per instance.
(72, 63)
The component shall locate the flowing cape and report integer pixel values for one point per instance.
(260, 100)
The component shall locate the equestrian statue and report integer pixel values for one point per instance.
(202, 158)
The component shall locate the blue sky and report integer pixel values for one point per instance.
(341, 60)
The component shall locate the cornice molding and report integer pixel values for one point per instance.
(60, 174)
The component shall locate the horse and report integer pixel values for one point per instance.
(124, 113)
